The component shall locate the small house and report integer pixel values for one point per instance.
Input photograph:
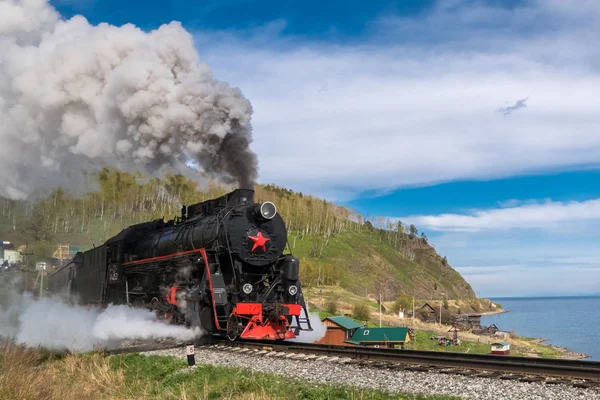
(426, 313)
(339, 330)
(5, 246)
(395, 337)
(469, 321)
(12, 256)
(501, 348)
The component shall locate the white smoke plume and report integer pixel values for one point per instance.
(318, 332)
(56, 325)
(74, 96)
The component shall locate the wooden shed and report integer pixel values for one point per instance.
(469, 321)
(339, 330)
(501, 348)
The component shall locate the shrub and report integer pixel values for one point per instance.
(475, 306)
(404, 302)
(445, 304)
(361, 312)
(331, 306)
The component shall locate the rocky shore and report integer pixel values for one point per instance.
(567, 354)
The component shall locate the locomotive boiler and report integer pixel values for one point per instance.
(221, 265)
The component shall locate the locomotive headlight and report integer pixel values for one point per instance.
(293, 290)
(268, 210)
(247, 288)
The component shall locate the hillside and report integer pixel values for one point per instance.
(335, 245)
(362, 260)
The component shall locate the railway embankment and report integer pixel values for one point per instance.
(222, 372)
(32, 374)
(338, 372)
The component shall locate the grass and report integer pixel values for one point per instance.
(363, 260)
(219, 382)
(33, 374)
(526, 346)
(422, 341)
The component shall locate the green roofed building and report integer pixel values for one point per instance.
(339, 330)
(380, 337)
(345, 322)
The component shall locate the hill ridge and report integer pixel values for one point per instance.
(334, 244)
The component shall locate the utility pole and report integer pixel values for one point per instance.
(25, 256)
(42, 283)
(441, 302)
(380, 308)
(40, 276)
(413, 315)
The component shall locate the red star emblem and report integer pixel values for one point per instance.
(259, 241)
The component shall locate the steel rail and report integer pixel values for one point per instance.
(541, 367)
(508, 364)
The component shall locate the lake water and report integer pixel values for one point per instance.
(571, 322)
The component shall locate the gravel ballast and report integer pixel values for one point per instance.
(428, 383)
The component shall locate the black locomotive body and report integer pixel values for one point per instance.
(220, 266)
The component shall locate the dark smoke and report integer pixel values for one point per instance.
(233, 155)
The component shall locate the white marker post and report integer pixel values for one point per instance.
(191, 358)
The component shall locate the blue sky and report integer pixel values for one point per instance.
(476, 120)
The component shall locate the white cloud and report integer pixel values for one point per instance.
(518, 280)
(351, 117)
(501, 262)
(418, 104)
(541, 215)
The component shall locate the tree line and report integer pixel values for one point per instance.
(122, 199)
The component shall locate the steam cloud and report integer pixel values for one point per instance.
(74, 95)
(318, 332)
(54, 324)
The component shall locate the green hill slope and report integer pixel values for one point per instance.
(335, 245)
(362, 261)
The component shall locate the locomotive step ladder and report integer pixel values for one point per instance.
(219, 289)
(302, 320)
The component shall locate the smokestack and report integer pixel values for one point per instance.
(76, 96)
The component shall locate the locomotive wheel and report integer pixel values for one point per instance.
(234, 327)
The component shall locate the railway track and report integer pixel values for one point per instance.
(576, 372)
(584, 374)
(530, 365)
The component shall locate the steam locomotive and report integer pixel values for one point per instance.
(220, 266)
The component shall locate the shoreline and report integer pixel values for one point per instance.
(485, 314)
(566, 353)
